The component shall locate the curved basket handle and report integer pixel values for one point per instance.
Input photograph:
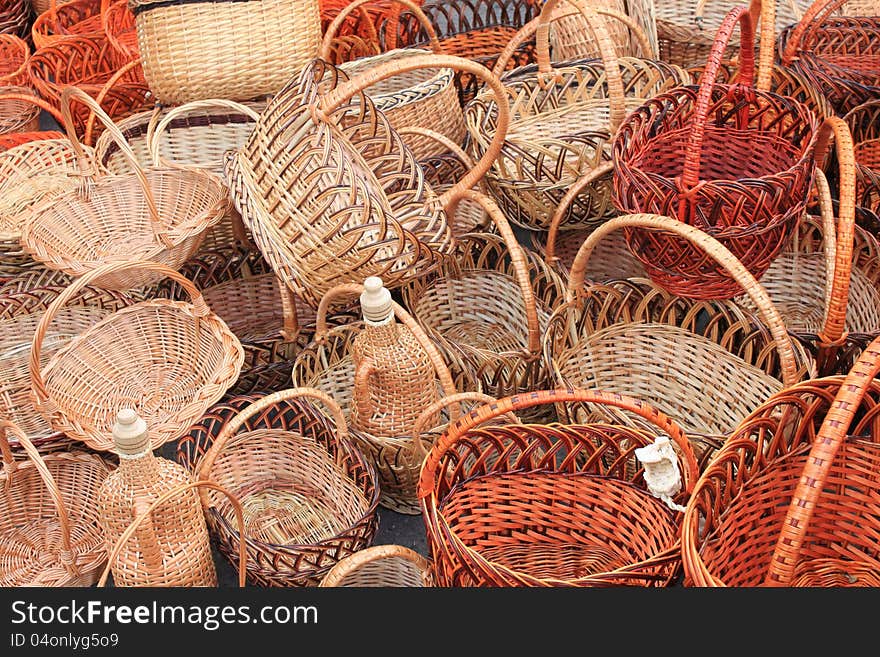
(162, 499)
(441, 139)
(332, 29)
(68, 559)
(719, 253)
(481, 414)
(827, 443)
(690, 175)
(561, 210)
(352, 562)
(74, 93)
(517, 258)
(332, 100)
(9, 94)
(812, 19)
(102, 94)
(154, 135)
(38, 385)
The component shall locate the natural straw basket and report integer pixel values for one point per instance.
(708, 363)
(864, 123)
(791, 499)
(732, 160)
(551, 505)
(49, 539)
(564, 117)
(20, 109)
(309, 496)
(152, 566)
(160, 213)
(168, 360)
(65, 20)
(14, 55)
(393, 566)
(199, 49)
(570, 37)
(420, 97)
(313, 183)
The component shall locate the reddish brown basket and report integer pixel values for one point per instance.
(15, 17)
(731, 160)
(551, 505)
(65, 20)
(14, 55)
(864, 123)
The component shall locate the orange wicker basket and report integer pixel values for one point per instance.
(65, 20)
(14, 55)
(16, 17)
(117, 21)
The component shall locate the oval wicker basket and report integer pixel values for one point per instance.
(19, 112)
(64, 20)
(393, 566)
(14, 55)
(570, 36)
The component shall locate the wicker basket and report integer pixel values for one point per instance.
(168, 360)
(14, 55)
(62, 21)
(200, 49)
(331, 218)
(118, 24)
(381, 566)
(791, 499)
(160, 214)
(709, 363)
(570, 37)
(15, 17)
(564, 119)
(731, 160)
(309, 497)
(864, 123)
(21, 108)
(552, 505)
(49, 539)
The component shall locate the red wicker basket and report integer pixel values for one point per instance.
(15, 17)
(14, 55)
(864, 123)
(65, 20)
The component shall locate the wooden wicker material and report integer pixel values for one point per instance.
(157, 568)
(564, 117)
(381, 566)
(840, 55)
(864, 124)
(19, 110)
(49, 531)
(312, 183)
(168, 360)
(118, 24)
(16, 17)
(791, 498)
(158, 214)
(65, 20)
(201, 49)
(14, 55)
(551, 505)
(309, 497)
(743, 176)
(709, 364)
(571, 38)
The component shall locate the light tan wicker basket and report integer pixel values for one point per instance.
(381, 566)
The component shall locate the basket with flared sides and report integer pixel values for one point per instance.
(14, 55)
(381, 566)
(552, 504)
(864, 123)
(117, 21)
(64, 20)
(308, 495)
(49, 529)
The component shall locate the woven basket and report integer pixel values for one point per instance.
(332, 218)
(731, 160)
(19, 111)
(864, 123)
(14, 55)
(62, 21)
(117, 22)
(49, 539)
(309, 497)
(15, 17)
(200, 49)
(551, 505)
(381, 566)
(570, 37)
(564, 118)
(709, 363)
(158, 214)
(168, 360)
(840, 55)
(791, 499)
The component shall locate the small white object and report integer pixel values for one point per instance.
(130, 434)
(376, 303)
(661, 470)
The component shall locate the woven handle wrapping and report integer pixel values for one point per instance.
(827, 443)
(6, 93)
(332, 29)
(74, 93)
(162, 499)
(38, 385)
(719, 253)
(335, 98)
(811, 21)
(9, 465)
(562, 209)
(353, 562)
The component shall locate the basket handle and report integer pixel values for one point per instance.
(373, 553)
(162, 499)
(812, 19)
(481, 414)
(561, 210)
(154, 135)
(68, 558)
(441, 139)
(121, 72)
(38, 385)
(332, 29)
(34, 99)
(719, 253)
(74, 93)
(825, 446)
(690, 175)
(332, 100)
(517, 258)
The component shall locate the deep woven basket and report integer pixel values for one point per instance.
(381, 566)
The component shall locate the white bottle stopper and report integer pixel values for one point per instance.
(661, 470)
(376, 304)
(130, 433)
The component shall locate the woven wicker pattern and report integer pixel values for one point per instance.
(864, 123)
(49, 531)
(381, 566)
(118, 24)
(570, 37)
(15, 17)
(19, 110)
(317, 506)
(67, 19)
(550, 505)
(14, 55)
(195, 50)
